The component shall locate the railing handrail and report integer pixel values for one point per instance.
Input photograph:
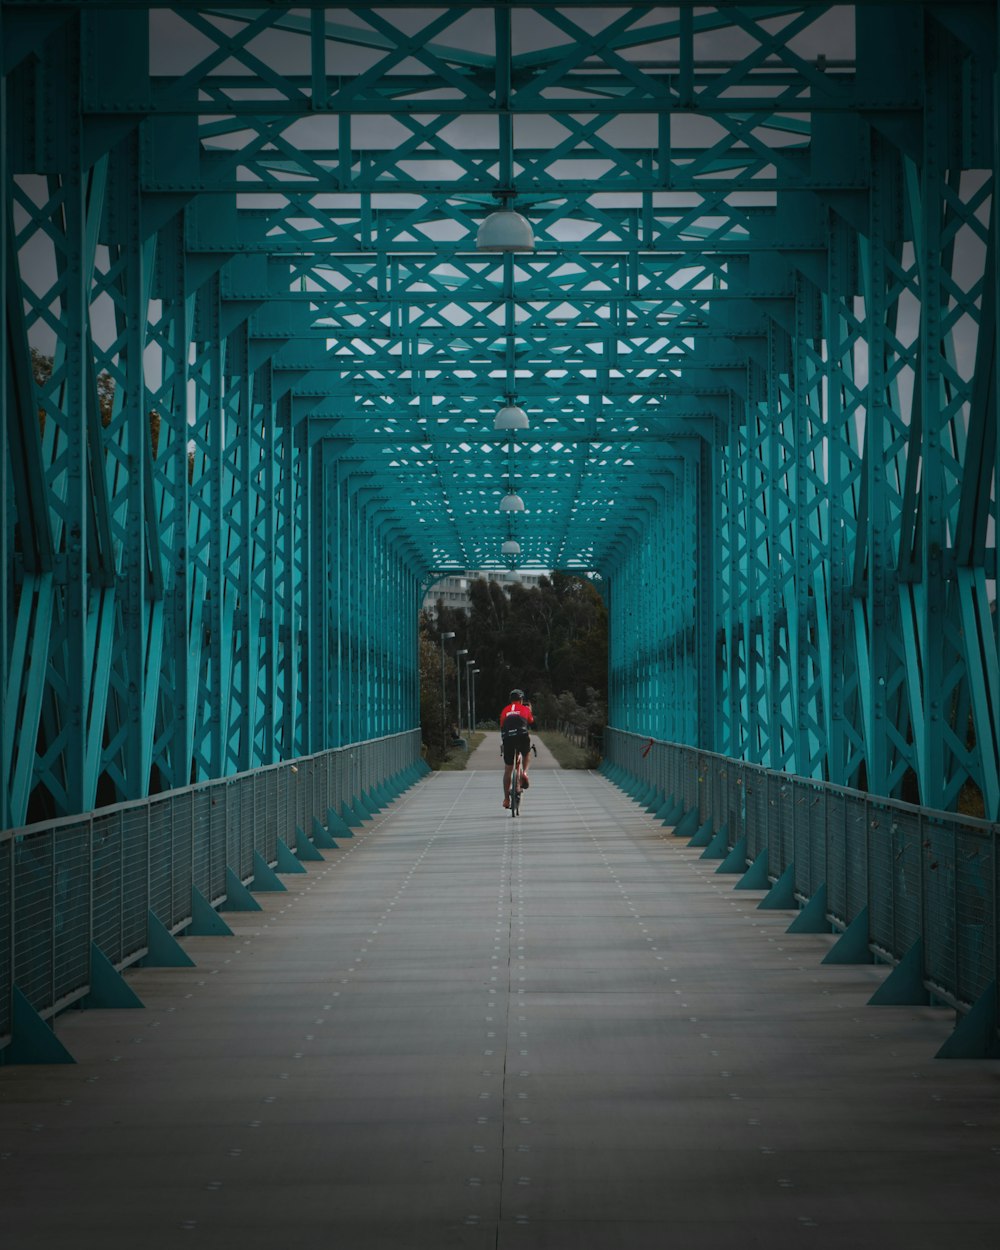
(973, 822)
(899, 881)
(196, 787)
(116, 883)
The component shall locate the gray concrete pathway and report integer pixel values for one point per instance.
(488, 756)
(564, 1032)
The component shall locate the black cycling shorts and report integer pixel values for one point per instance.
(511, 746)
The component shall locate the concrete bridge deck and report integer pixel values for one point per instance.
(565, 1031)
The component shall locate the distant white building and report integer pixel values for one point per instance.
(453, 590)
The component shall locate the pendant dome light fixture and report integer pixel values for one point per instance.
(512, 501)
(510, 547)
(505, 230)
(511, 417)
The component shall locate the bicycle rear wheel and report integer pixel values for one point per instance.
(515, 787)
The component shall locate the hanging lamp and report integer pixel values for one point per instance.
(511, 502)
(505, 230)
(511, 417)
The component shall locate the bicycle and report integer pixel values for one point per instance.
(516, 776)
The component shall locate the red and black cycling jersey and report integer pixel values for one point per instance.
(515, 720)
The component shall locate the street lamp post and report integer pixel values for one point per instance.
(470, 693)
(444, 718)
(458, 688)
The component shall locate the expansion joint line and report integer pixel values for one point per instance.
(509, 859)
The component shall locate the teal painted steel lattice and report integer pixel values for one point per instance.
(755, 342)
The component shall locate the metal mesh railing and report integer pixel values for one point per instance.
(203, 869)
(50, 894)
(243, 814)
(106, 880)
(755, 799)
(810, 843)
(975, 913)
(6, 937)
(161, 861)
(95, 878)
(70, 910)
(135, 880)
(835, 847)
(895, 910)
(34, 917)
(922, 875)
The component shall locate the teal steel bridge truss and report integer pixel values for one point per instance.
(252, 358)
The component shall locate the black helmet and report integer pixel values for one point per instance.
(516, 696)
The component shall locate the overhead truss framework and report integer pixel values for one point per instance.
(252, 357)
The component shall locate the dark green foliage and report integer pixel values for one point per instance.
(432, 720)
(550, 640)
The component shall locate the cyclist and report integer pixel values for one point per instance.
(515, 720)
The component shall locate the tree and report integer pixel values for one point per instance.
(550, 640)
(432, 723)
(41, 370)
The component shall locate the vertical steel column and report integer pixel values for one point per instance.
(844, 411)
(7, 417)
(810, 536)
(208, 539)
(694, 590)
(991, 418)
(672, 606)
(299, 537)
(753, 477)
(128, 627)
(237, 559)
(363, 572)
(287, 576)
(374, 587)
(928, 703)
(781, 499)
(976, 513)
(734, 727)
(405, 692)
(340, 583)
(875, 586)
(676, 618)
(181, 652)
(316, 599)
(373, 573)
(399, 693)
(708, 555)
(657, 590)
(352, 600)
(385, 622)
(71, 651)
(643, 627)
(381, 616)
(265, 576)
